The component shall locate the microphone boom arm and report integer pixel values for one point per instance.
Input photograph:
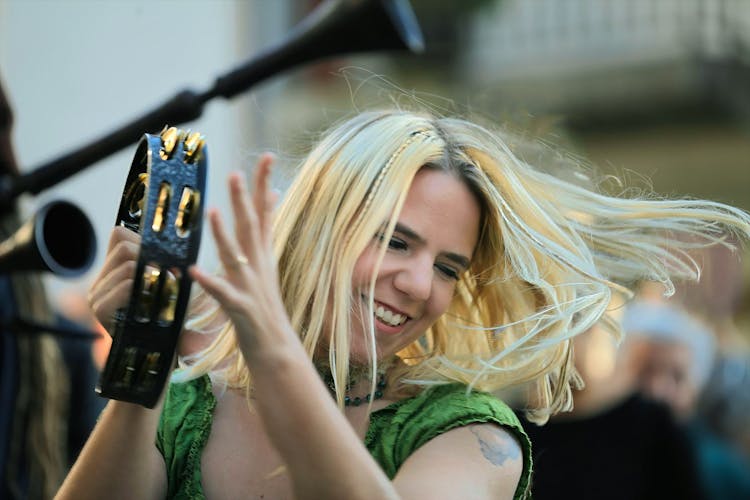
(391, 25)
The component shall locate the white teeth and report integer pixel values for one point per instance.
(388, 317)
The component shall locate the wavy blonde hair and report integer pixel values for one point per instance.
(549, 258)
(37, 447)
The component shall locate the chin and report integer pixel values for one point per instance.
(360, 357)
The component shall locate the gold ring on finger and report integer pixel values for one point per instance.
(241, 259)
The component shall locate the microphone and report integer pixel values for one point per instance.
(58, 238)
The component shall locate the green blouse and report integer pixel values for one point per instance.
(395, 431)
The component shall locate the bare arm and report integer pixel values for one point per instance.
(326, 459)
(324, 456)
(479, 461)
(120, 459)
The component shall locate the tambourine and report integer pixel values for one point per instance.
(162, 201)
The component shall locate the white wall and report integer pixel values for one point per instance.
(75, 70)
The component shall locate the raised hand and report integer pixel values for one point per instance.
(111, 287)
(249, 291)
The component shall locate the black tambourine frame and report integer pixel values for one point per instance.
(163, 201)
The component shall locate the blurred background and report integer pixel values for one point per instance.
(656, 92)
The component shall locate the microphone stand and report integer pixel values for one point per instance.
(26, 326)
(392, 26)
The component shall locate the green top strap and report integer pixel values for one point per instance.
(182, 434)
(398, 430)
(395, 431)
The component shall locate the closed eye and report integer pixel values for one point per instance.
(397, 244)
(447, 271)
(394, 243)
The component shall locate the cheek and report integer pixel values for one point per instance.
(363, 269)
(441, 300)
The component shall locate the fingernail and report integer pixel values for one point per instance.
(269, 158)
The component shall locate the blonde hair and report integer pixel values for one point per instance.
(549, 257)
(40, 412)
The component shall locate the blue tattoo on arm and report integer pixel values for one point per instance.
(496, 445)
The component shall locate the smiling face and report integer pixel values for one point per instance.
(431, 247)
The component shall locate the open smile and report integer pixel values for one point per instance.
(389, 316)
(388, 319)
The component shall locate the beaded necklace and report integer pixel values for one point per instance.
(380, 385)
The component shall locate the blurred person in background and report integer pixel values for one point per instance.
(724, 404)
(678, 354)
(47, 403)
(615, 443)
(33, 383)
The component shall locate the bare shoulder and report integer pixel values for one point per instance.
(476, 461)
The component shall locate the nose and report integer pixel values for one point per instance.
(415, 278)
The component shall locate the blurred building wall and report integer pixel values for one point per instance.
(78, 69)
(657, 91)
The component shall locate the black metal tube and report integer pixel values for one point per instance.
(334, 27)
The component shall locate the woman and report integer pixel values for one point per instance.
(413, 258)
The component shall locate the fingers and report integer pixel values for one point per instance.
(252, 214)
(119, 264)
(123, 251)
(126, 270)
(263, 198)
(111, 288)
(124, 245)
(109, 301)
(215, 286)
(121, 233)
(249, 292)
(244, 218)
(228, 250)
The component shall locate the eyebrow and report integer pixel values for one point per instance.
(459, 259)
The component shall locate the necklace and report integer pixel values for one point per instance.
(358, 400)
